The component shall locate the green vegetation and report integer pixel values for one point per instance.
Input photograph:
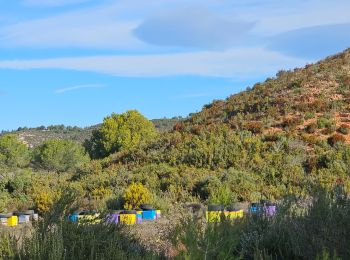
(119, 133)
(135, 195)
(318, 231)
(13, 153)
(60, 155)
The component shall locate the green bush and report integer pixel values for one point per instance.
(323, 122)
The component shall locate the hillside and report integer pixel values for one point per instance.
(318, 93)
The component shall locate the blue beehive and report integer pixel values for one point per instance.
(149, 215)
(74, 217)
(254, 208)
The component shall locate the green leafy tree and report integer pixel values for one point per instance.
(60, 155)
(120, 132)
(13, 153)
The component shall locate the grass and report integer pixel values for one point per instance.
(54, 237)
(318, 231)
(317, 228)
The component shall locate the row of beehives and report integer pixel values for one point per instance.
(216, 213)
(16, 218)
(126, 217)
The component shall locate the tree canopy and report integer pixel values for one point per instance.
(120, 132)
(13, 153)
(60, 155)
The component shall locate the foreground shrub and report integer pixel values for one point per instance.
(56, 238)
(195, 240)
(315, 228)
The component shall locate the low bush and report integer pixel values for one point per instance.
(336, 138)
(344, 129)
(311, 128)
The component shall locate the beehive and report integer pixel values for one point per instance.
(158, 214)
(213, 216)
(12, 221)
(113, 218)
(91, 219)
(139, 216)
(74, 217)
(23, 219)
(128, 219)
(3, 221)
(35, 217)
(149, 215)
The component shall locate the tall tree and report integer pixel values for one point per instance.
(120, 132)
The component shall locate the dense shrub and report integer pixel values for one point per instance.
(135, 195)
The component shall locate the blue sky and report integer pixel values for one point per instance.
(75, 61)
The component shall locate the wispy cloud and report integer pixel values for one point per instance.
(52, 3)
(78, 87)
(237, 63)
(98, 27)
(2, 93)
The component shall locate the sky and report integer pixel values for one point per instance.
(74, 62)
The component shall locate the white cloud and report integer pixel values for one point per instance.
(77, 87)
(98, 27)
(238, 63)
(52, 3)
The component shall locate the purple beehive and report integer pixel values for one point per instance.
(113, 218)
(139, 217)
(270, 210)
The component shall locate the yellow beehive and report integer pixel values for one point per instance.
(240, 213)
(128, 219)
(213, 216)
(91, 219)
(12, 221)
